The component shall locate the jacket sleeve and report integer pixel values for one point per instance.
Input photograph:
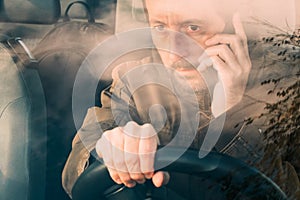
(97, 120)
(83, 143)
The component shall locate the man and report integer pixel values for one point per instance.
(129, 144)
(229, 53)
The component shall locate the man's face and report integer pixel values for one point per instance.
(181, 25)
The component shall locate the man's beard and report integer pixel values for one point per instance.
(195, 80)
(183, 64)
(189, 71)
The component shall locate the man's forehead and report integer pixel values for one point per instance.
(187, 8)
(178, 5)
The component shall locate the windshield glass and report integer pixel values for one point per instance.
(121, 81)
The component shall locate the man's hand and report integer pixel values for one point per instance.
(128, 152)
(230, 57)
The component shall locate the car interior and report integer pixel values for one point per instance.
(43, 43)
(31, 130)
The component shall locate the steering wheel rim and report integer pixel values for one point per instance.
(95, 180)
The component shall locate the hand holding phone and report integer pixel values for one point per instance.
(230, 58)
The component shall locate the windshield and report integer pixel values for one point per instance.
(120, 81)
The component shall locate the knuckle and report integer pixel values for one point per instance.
(131, 145)
(147, 126)
(147, 170)
(224, 49)
(130, 126)
(99, 147)
(119, 166)
(132, 123)
(137, 176)
(107, 135)
(119, 163)
(130, 184)
(132, 166)
(117, 141)
(147, 167)
(217, 36)
(147, 131)
(125, 178)
(114, 176)
(148, 146)
(237, 39)
(131, 159)
(148, 175)
(240, 41)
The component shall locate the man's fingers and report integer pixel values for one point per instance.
(220, 39)
(238, 61)
(131, 150)
(114, 175)
(218, 64)
(120, 171)
(238, 26)
(235, 42)
(204, 63)
(160, 178)
(224, 53)
(126, 179)
(147, 158)
(117, 148)
(147, 149)
(225, 75)
(104, 149)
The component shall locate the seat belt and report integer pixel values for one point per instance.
(20, 53)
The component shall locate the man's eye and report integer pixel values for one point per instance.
(159, 28)
(192, 28)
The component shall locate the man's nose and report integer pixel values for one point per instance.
(178, 46)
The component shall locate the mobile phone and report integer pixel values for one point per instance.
(229, 29)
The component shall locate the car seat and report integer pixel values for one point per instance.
(23, 124)
(23, 133)
(60, 54)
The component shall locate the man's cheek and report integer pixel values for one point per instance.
(164, 57)
(161, 42)
(201, 40)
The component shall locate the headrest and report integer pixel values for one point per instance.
(30, 11)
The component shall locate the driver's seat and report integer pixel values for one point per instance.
(22, 124)
(23, 135)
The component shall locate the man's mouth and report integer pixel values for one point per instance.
(183, 65)
(190, 74)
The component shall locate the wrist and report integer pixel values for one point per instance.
(223, 101)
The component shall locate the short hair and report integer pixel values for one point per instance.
(225, 9)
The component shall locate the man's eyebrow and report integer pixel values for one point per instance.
(156, 21)
(189, 21)
(193, 21)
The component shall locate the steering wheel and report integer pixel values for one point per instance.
(95, 183)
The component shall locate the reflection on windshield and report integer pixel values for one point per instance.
(206, 75)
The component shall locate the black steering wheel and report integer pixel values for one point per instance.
(95, 183)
